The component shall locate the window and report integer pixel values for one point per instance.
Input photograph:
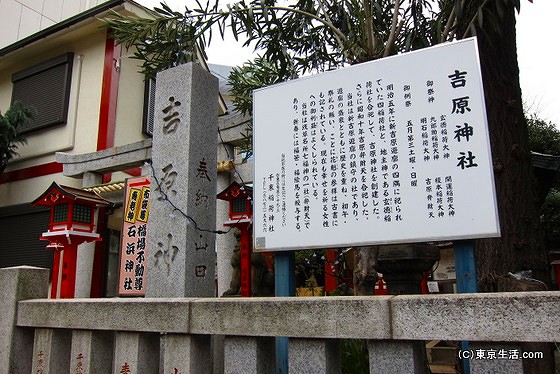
(46, 88)
(149, 106)
(81, 213)
(60, 213)
(238, 206)
(22, 225)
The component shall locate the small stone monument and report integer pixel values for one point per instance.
(181, 260)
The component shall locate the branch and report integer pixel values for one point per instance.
(337, 37)
(224, 14)
(336, 31)
(369, 29)
(466, 33)
(394, 29)
(450, 23)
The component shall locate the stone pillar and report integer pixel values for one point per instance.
(503, 359)
(136, 352)
(51, 351)
(182, 257)
(86, 251)
(187, 354)
(224, 243)
(92, 351)
(391, 356)
(16, 344)
(249, 355)
(313, 356)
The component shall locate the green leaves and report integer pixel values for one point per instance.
(544, 137)
(252, 75)
(307, 36)
(167, 40)
(16, 116)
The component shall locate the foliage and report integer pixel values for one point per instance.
(305, 37)
(169, 39)
(16, 116)
(253, 75)
(355, 356)
(550, 218)
(309, 263)
(544, 137)
(243, 80)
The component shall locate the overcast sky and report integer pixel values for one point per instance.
(537, 47)
(539, 57)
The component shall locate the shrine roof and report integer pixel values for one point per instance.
(55, 191)
(234, 191)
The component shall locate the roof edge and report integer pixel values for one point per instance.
(60, 26)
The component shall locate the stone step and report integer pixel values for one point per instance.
(442, 369)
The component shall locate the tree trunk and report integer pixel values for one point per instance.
(521, 245)
(365, 270)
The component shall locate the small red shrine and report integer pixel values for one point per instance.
(241, 217)
(72, 222)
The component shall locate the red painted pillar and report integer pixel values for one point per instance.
(64, 272)
(99, 272)
(108, 104)
(245, 262)
(55, 273)
(331, 271)
(424, 283)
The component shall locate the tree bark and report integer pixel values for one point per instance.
(521, 245)
(365, 270)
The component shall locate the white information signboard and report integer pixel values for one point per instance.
(391, 151)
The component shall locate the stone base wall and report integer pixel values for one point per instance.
(181, 335)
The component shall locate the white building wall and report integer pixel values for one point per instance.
(22, 18)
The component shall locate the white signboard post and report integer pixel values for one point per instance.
(391, 151)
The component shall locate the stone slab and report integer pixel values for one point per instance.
(92, 352)
(51, 351)
(135, 352)
(311, 356)
(181, 256)
(395, 357)
(16, 345)
(494, 364)
(106, 161)
(249, 355)
(187, 354)
(478, 317)
(325, 317)
(156, 315)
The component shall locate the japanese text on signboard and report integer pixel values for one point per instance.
(375, 155)
(134, 237)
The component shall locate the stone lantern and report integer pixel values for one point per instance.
(403, 265)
